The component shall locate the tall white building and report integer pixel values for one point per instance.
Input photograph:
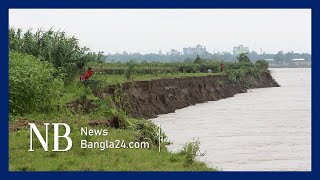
(240, 49)
(198, 50)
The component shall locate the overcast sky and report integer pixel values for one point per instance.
(148, 31)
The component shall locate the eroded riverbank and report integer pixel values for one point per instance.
(147, 99)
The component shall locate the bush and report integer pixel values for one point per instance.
(238, 65)
(243, 57)
(32, 85)
(262, 64)
(131, 69)
(191, 150)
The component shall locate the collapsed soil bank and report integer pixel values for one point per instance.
(147, 99)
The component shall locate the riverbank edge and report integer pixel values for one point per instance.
(148, 99)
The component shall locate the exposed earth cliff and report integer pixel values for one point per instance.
(147, 99)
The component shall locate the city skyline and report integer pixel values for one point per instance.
(150, 30)
(180, 51)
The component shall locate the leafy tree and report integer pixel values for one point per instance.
(279, 57)
(253, 56)
(243, 57)
(198, 60)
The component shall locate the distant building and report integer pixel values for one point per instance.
(269, 59)
(298, 60)
(174, 52)
(198, 50)
(240, 49)
(189, 50)
(160, 52)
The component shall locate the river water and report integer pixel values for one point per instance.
(267, 129)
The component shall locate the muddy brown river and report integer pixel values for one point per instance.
(266, 129)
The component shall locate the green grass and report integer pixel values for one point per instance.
(74, 91)
(111, 79)
(77, 159)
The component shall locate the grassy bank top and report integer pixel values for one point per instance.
(116, 78)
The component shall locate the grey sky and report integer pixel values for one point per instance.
(149, 30)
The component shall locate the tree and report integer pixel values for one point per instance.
(243, 57)
(289, 55)
(279, 58)
(198, 60)
(253, 56)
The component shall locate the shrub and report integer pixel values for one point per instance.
(32, 85)
(238, 65)
(237, 74)
(262, 64)
(191, 150)
(131, 69)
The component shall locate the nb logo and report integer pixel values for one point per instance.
(56, 136)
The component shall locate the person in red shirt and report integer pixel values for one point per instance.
(221, 67)
(88, 74)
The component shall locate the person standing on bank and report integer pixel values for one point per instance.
(221, 67)
(87, 75)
